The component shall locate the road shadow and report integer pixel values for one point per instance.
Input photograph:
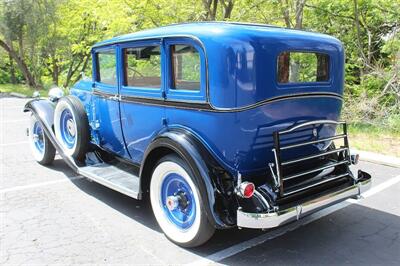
(355, 235)
(60, 166)
(348, 233)
(140, 211)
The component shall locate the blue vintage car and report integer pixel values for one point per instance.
(222, 124)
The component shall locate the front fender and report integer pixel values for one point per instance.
(43, 110)
(208, 173)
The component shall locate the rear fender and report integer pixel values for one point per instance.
(208, 174)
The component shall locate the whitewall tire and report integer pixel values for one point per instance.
(71, 127)
(42, 149)
(177, 205)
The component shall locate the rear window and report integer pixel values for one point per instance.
(299, 67)
(185, 68)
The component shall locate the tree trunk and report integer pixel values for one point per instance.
(83, 68)
(12, 71)
(359, 41)
(21, 64)
(286, 13)
(210, 11)
(55, 72)
(72, 70)
(228, 7)
(299, 14)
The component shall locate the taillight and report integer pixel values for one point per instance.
(246, 189)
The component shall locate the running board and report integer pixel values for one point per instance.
(118, 176)
(113, 177)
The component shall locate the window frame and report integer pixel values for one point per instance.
(97, 77)
(303, 84)
(185, 95)
(141, 91)
(98, 85)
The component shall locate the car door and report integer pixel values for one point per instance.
(142, 97)
(186, 84)
(106, 116)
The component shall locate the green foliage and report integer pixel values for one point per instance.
(53, 38)
(21, 89)
(190, 65)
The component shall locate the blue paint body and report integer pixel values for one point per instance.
(238, 83)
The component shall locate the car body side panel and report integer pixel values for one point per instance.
(242, 141)
(141, 124)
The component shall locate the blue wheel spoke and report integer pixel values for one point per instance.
(67, 128)
(38, 137)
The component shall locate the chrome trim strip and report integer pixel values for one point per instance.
(312, 156)
(313, 142)
(315, 122)
(278, 173)
(280, 217)
(314, 170)
(206, 106)
(314, 184)
(278, 98)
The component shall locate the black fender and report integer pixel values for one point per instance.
(43, 110)
(214, 183)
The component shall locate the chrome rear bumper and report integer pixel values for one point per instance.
(280, 217)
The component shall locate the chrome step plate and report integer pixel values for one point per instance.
(113, 177)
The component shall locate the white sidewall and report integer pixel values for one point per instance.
(61, 106)
(36, 153)
(173, 232)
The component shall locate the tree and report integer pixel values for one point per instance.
(20, 62)
(211, 9)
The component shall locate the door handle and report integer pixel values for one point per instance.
(114, 98)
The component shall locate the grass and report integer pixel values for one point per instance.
(361, 136)
(373, 138)
(20, 88)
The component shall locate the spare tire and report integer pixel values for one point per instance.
(71, 126)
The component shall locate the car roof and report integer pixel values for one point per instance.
(205, 31)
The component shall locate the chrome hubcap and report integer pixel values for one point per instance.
(178, 200)
(71, 127)
(172, 202)
(36, 137)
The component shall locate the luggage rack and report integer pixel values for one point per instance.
(279, 164)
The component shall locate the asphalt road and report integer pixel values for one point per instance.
(51, 216)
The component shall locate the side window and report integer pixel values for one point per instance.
(295, 67)
(142, 67)
(106, 67)
(185, 68)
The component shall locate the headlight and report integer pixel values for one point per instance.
(55, 94)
